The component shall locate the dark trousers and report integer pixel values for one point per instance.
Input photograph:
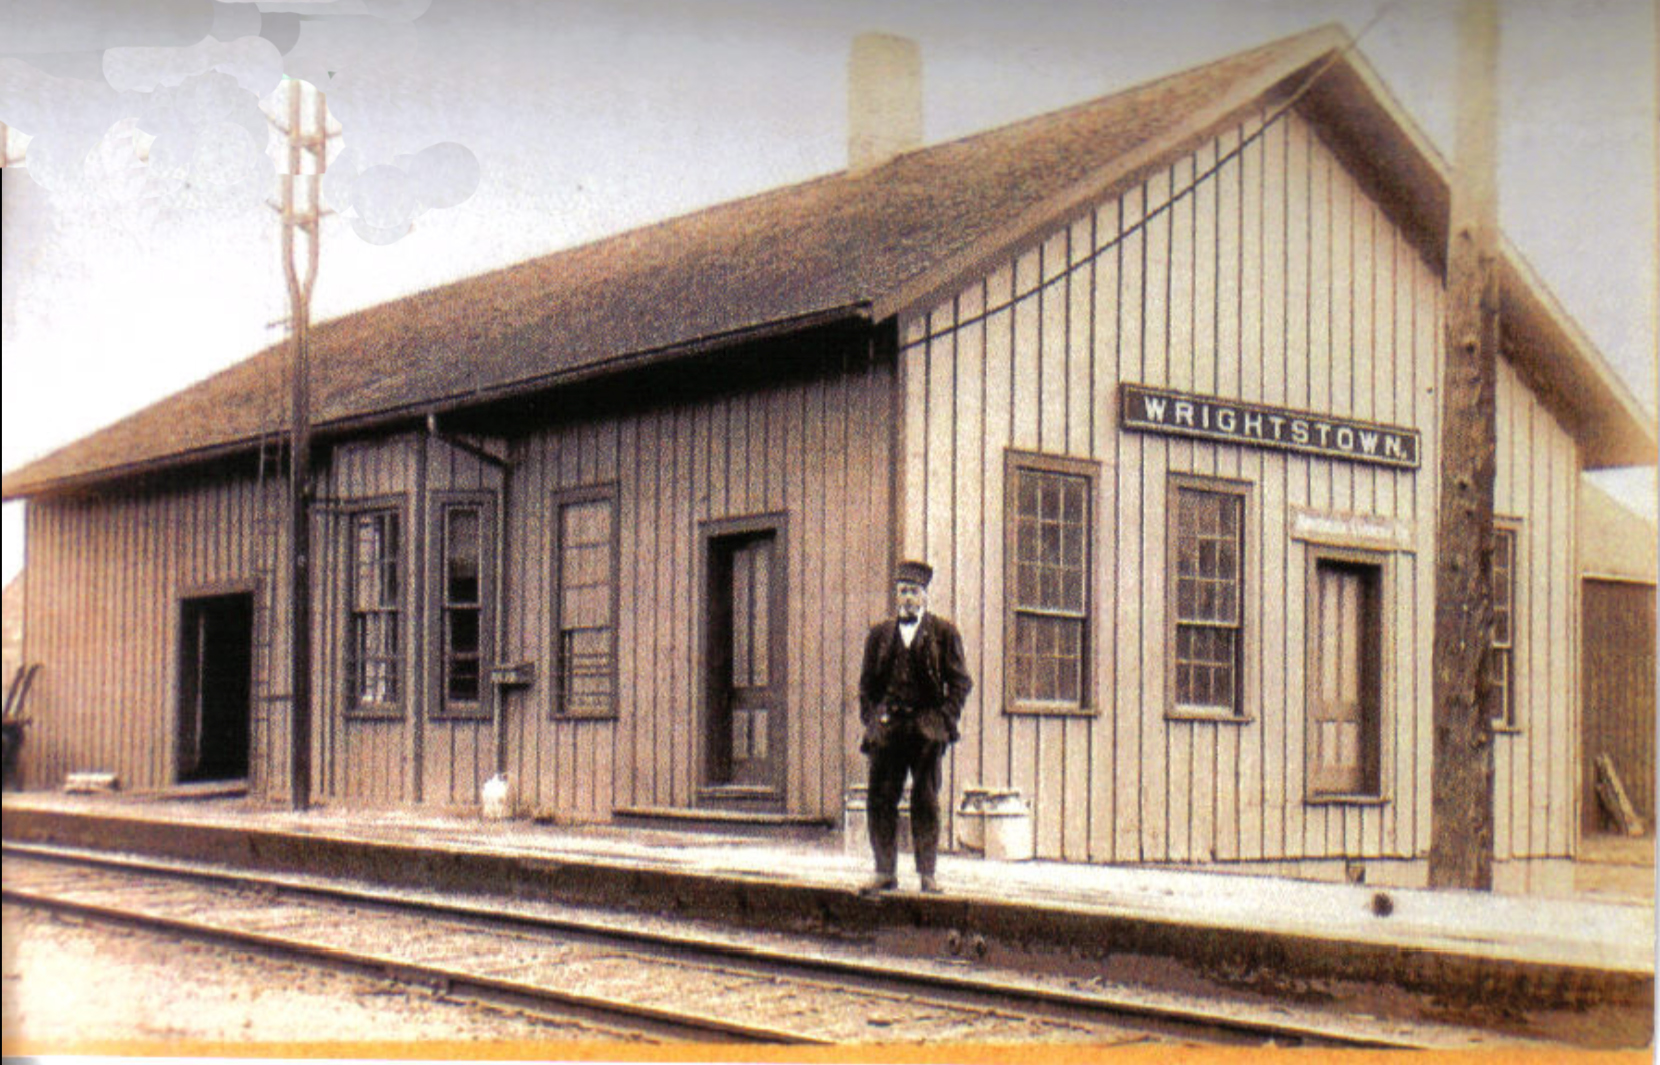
(904, 752)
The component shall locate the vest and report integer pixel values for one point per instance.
(905, 685)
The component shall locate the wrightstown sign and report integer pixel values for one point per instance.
(1153, 410)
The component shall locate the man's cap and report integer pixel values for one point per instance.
(913, 573)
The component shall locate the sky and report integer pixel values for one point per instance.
(138, 255)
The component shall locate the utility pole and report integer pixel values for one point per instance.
(1461, 779)
(301, 216)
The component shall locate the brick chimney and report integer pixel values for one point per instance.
(884, 99)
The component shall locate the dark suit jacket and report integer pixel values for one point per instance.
(945, 680)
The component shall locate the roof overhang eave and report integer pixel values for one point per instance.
(1552, 354)
(14, 488)
(1541, 340)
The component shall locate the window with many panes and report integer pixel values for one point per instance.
(1047, 557)
(1501, 696)
(586, 577)
(464, 553)
(373, 647)
(1207, 597)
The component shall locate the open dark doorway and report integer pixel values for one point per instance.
(216, 643)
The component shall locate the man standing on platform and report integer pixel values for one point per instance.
(911, 693)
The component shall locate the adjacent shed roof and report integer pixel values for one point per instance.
(1615, 543)
(847, 245)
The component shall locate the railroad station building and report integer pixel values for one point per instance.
(1152, 381)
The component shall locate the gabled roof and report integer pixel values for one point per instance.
(847, 245)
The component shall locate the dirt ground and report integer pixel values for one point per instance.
(69, 985)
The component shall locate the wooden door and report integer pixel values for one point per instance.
(1618, 691)
(746, 722)
(1344, 681)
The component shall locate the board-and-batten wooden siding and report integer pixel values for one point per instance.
(813, 449)
(1536, 766)
(107, 575)
(1277, 279)
(418, 755)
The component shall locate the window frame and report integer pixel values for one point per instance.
(1244, 709)
(1507, 722)
(1016, 461)
(353, 707)
(441, 707)
(607, 492)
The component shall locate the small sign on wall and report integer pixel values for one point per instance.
(1155, 410)
(1372, 531)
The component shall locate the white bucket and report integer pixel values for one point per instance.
(971, 814)
(1008, 829)
(495, 798)
(855, 826)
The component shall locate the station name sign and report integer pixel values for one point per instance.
(1153, 410)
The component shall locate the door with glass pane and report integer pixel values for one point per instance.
(744, 726)
(1346, 679)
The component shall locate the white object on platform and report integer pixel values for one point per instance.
(88, 782)
(495, 798)
(1008, 828)
(972, 810)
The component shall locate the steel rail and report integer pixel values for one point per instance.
(1218, 1024)
(615, 1018)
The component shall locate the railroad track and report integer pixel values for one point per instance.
(629, 980)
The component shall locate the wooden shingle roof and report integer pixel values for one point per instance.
(846, 245)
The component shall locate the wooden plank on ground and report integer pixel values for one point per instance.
(1615, 801)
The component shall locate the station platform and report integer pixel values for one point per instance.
(1244, 929)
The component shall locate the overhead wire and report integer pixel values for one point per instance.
(1192, 186)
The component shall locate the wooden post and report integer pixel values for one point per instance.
(1461, 778)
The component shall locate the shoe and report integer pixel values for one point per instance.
(879, 885)
(930, 886)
